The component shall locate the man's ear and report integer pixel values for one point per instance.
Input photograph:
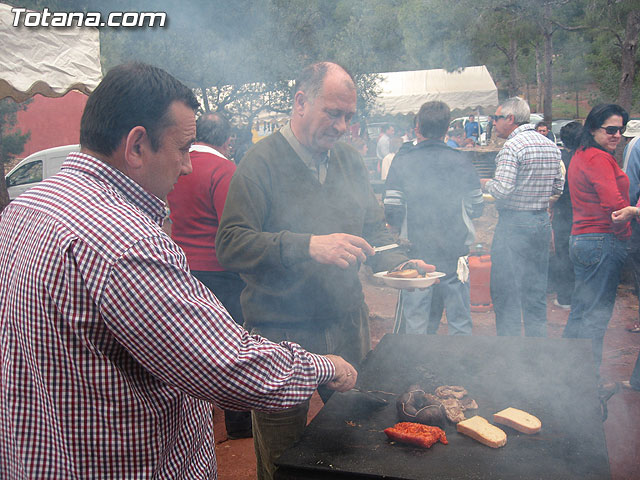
(136, 143)
(299, 102)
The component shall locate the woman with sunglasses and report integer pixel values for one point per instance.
(597, 246)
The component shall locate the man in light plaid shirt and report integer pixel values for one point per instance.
(528, 173)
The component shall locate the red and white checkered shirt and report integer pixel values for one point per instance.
(528, 171)
(110, 350)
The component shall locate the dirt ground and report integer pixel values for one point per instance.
(236, 460)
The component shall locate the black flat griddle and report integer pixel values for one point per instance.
(553, 379)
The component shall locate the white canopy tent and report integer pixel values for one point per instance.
(46, 60)
(467, 88)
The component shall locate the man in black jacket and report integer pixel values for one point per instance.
(436, 189)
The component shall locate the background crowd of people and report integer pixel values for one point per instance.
(578, 192)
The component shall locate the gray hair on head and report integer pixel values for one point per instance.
(517, 107)
(312, 78)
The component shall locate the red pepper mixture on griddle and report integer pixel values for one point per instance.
(416, 434)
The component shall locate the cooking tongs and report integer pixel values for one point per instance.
(373, 397)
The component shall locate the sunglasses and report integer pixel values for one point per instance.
(495, 118)
(612, 130)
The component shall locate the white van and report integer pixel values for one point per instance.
(36, 167)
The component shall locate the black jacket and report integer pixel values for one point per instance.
(433, 184)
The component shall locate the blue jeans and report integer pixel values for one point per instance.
(634, 256)
(597, 259)
(635, 375)
(519, 266)
(416, 307)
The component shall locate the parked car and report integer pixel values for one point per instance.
(35, 168)
(535, 118)
(460, 122)
(556, 125)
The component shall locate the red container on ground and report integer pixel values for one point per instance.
(480, 282)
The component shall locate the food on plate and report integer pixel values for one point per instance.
(408, 273)
(416, 434)
(418, 406)
(518, 420)
(407, 270)
(481, 430)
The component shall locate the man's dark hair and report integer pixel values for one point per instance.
(542, 124)
(570, 135)
(312, 77)
(597, 116)
(213, 128)
(130, 95)
(433, 119)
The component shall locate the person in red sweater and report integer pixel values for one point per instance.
(196, 203)
(598, 246)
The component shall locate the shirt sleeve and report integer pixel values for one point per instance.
(474, 203)
(241, 245)
(600, 173)
(633, 172)
(602, 177)
(504, 179)
(394, 201)
(375, 232)
(559, 179)
(219, 189)
(383, 146)
(177, 330)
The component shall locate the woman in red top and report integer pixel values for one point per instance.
(598, 246)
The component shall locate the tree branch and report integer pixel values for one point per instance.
(502, 49)
(570, 28)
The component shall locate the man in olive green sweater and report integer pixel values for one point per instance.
(299, 220)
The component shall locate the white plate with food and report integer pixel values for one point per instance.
(409, 279)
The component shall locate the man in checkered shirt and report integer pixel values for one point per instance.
(110, 351)
(528, 173)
